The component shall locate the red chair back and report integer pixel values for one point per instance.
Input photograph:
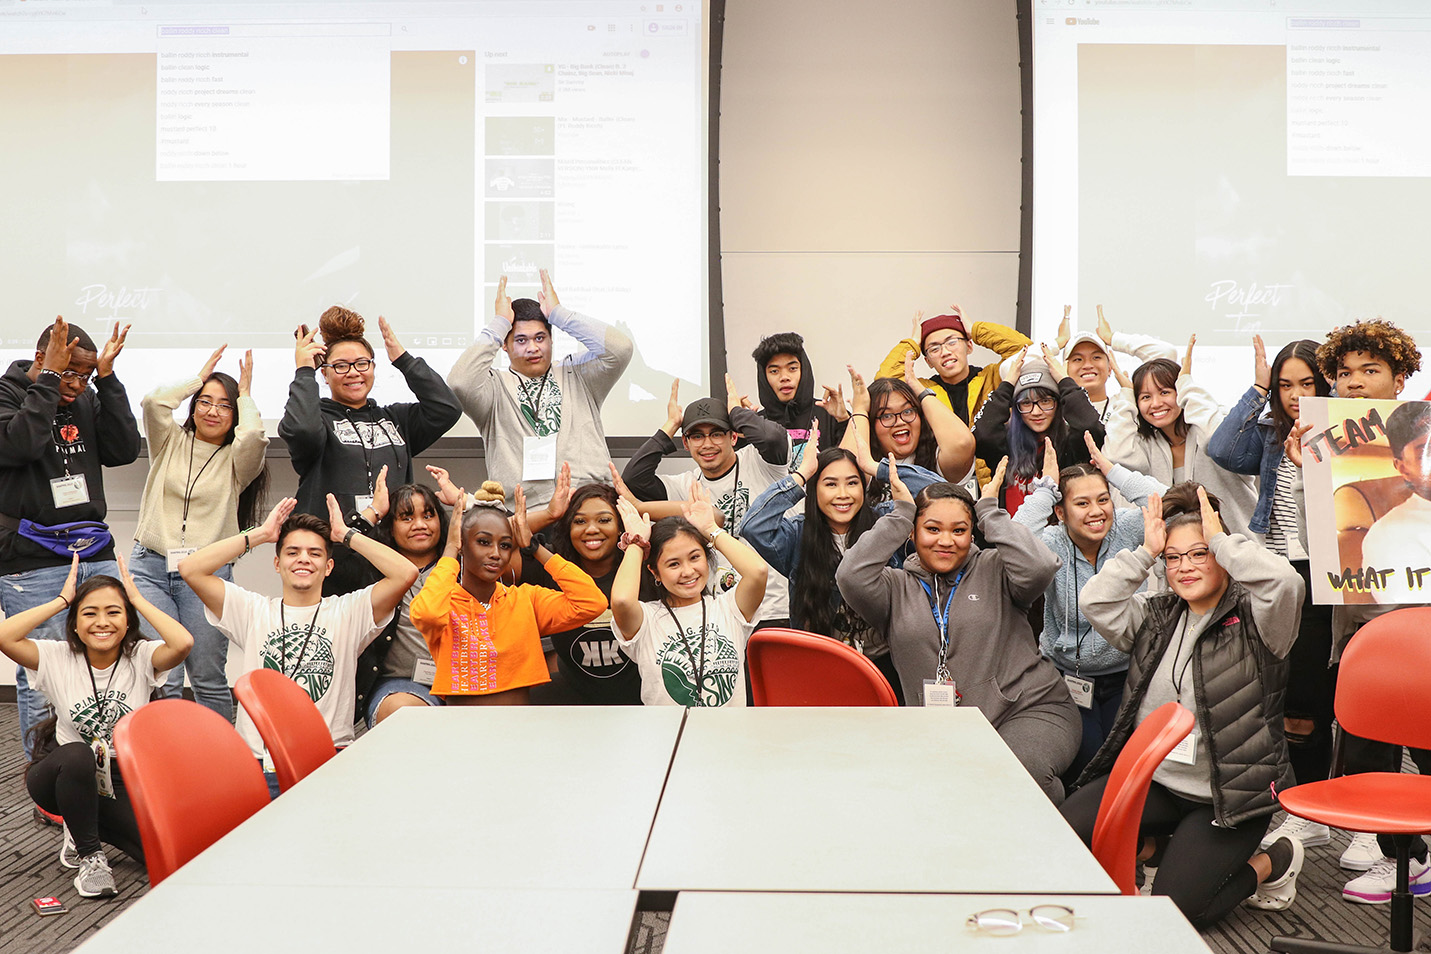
(1115, 833)
(793, 668)
(190, 776)
(290, 724)
(1383, 677)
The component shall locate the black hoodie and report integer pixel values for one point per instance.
(38, 437)
(797, 414)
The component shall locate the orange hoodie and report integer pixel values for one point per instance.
(482, 651)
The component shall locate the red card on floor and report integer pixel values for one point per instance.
(47, 906)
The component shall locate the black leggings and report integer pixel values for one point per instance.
(63, 783)
(1311, 687)
(1204, 868)
(1368, 755)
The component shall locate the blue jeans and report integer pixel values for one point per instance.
(172, 596)
(23, 591)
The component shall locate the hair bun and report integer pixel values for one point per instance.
(340, 324)
(490, 493)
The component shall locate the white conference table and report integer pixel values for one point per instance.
(858, 800)
(242, 919)
(709, 922)
(464, 797)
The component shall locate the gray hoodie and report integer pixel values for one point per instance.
(993, 655)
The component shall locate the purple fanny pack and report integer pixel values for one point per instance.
(85, 537)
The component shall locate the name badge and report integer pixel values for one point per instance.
(424, 671)
(69, 491)
(939, 694)
(363, 502)
(103, 762)
(1080, 689)
(268, 762)
(1185, 752)
(539, 458)
(172, 557)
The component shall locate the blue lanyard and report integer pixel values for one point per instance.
(942, 621)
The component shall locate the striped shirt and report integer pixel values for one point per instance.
(1283, 537)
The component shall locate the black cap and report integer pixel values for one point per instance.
(707, 410)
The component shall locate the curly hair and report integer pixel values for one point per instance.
(339, 324)
(1374, 336)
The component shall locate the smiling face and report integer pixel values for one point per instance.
(349, 387)
(488, 546)
(1038, 409)
(943, 532)
(529, 346)
(947, 352)
(1088, 366)
(1086, 511)
(896, 425)
(712, 448)
(1295, 380)
(595, 530)
(101, 623)
(681, 569)
(302, 562)
(1361, 374)
(1158, 404)
(782, 373)
(417, 527)
(839, 493)
(1201, 586)
(214, 413)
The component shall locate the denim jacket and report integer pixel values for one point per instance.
(1246, 443)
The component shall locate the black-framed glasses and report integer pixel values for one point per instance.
(1043, 404)
(887, 418)
(343, 367)
(939, 347)
(1002, 922)
(1197, 556)
(223, 407)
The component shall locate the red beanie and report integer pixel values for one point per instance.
(939, 323)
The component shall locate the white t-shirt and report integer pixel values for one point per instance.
(665, 660)
(755, 475)
(63, 676)
(271, 638)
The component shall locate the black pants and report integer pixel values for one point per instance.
(63, 782)
(1097, 720)
(1366, 755)
(1311, 687)
(1204, 869)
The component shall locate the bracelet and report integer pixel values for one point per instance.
(348, 537)
(716, 532)
(50, 371)
(860, 414)
(1265, 391)
(246, 548)
(67, 602)
(795, 474)
(927, 392)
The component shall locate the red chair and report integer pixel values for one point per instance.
(1380, 691)
(792, 668)
(191, 778)
(291, 726)
(1120, 813)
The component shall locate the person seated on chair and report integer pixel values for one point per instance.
(73, 772)
(1216, 642)
(807, 547)
(312, 639)
(983, 650)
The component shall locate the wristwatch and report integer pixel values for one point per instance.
(927, 392)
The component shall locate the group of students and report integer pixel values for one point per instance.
(1063, 555)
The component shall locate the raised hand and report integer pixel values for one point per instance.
(810, 459)
(1188, 355)
(267, 532)
(381, 501)
(212, 363)
(112, 346)
(910, 377)
(867, 464)
(622, 491)
(245, 378)
(918, 321)
(1123, 380)
(1018, 365)
(1292, 446)
(859, 394)
(561, 493)
(521, 529)
(454, 523)
(632, 520)
(390, 339)
(897, 489)
(1155, 530)
(60, 347)
(834, 403)
(1055, 366)
(1096, 455)
(447, 491)
(699, 510)
(337, 527)
(1261, 370)
(991, 489)
(1211, 523)
(547, 297)
(1050, 460)
(307, 352)
(675, 414)
(733, 397)
(1061, 341)
(503, 306)
(1105, 330)
(68, 590)
(127, 579)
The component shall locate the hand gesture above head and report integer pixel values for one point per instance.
(834, 403)
(1061, 341)
(1211, 523)
(502, 307)
(1261, 370)
(381, 501)
(911, 378)
(675, 414)
(699, 510)
(809, 458)
(307, 350)
(1050, 460)
(1096, 455)
(267, 532)
(1188, 355)
(632, 520)
(547, 297)
(390, 339)
(1105, 330)
(521, 529)
(897, 489)
(859, 394)
(447, 492)
(1055, 366)
(60, 348)
(622, 491)
(112, 346)
(1155, 530)
(561, 493)
(245, 378)
(996, 482)
(211, 364)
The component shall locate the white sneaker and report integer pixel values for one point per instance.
(69, 855)
(95, 880)
(1362, 853)
(1375, 886)
(1311, 834)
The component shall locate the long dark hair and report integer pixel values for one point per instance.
(926, 452)
(663, 532)
(561, 530)
(251, 498)
(1307, 351)
(132, 633)
(407, 499)
(1025, 461)
(814, 582)
(1165, 374)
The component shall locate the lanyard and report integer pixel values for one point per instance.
(534, 404)
(191, 480)
(1179, 676)
(732, 518)
(942, 621)
(283, 640)
(65, 417)
(98, 702)
(699, 667)
(367, 451)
